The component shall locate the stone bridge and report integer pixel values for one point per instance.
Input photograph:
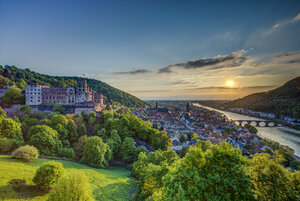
(258, 123)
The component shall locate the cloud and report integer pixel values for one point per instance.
(221, 61)
(133, 72)
(289, 21)
(232, 88)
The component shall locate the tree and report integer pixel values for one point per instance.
(82, 129)
(128, 149)
(27, 153)
(251, 129)
(2, 113)
(195, 137)
(114, 141)
(58, 108)
(21, 84)
(96, 152)
(79, 146)
(102, 134)
(182, 138)
(10, 129)
(271, 180)
(204, 174)
(72, 131)
(45, 139)
(47, 175)
(13, 96)
(73, 186)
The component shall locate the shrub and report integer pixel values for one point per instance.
(47, 175)
(27, 153)
(96, 153)
(8, 145)
(67, 153)
(73, 186)
(17, 183)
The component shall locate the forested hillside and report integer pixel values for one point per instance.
(284, 100)
(21, 77)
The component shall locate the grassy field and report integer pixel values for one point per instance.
(112, 183)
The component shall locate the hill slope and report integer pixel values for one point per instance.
(107, 184)
(283, 100)
(16, 75)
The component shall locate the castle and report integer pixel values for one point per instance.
(81, 96)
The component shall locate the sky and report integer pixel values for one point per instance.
(158, 49)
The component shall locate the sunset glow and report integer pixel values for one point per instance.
(230, 83)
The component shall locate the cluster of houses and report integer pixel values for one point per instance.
(178, 118)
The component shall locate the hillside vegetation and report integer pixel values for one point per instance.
(107, 184)
(284, 100)
(21, 77)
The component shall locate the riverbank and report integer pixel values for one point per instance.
(283, 135)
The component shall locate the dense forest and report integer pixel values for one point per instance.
(21, 77)
(284, 100)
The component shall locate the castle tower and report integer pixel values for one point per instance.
(81, 86)
(82, 92)
(156, 106)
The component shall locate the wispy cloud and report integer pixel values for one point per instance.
(133, 72)
(221, 61)
(283, 23)
(233, 88)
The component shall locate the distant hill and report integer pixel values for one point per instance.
(284, 100)
(14, 75)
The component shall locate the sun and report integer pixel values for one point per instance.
(230, 83)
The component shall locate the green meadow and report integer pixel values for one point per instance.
(113, 183)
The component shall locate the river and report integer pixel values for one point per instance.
(283, 135)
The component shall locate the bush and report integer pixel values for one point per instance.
(67, 153)
(17, 183)
(47, 175)
(27, 153)
(73, 186)
(8, 145)
(96, 153)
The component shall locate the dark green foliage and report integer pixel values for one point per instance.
(17, 184)
(82, 129)
(46, 140)
(251, 129)
(128, 149)
(8, 145)
(27, 153)
(47, 175)
(58, 108)
(67, 153)
(96, 153)
(79, 146)
(13, 74)
(73, 186)
(182, 138)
